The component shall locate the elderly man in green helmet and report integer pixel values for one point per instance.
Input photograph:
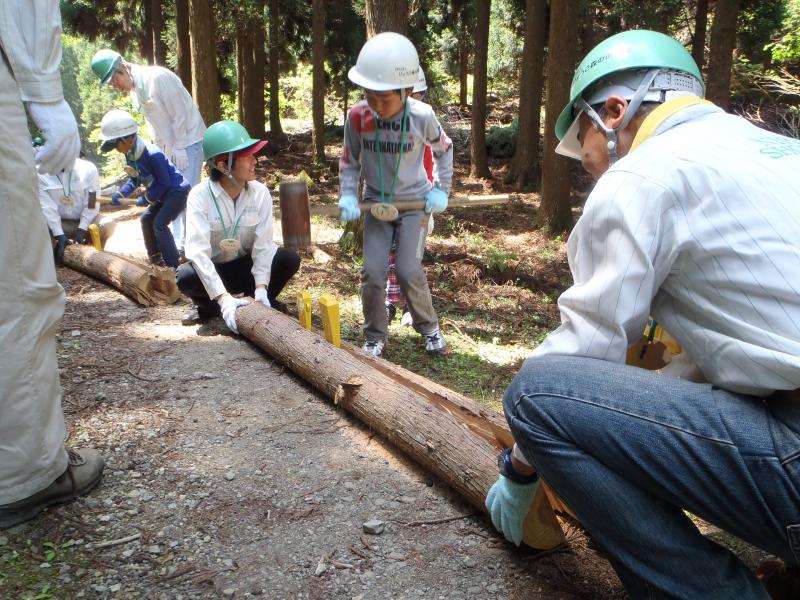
(229, 241)
(173, 118)
(693, 219)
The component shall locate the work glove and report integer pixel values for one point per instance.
(180, 159)
(115, 199)
(348, 208)
(228, 304)
(508, 504)
(261, 296)
(435, 201)
(58, 250)
(58, 126)
(142, 201)
(80, 235)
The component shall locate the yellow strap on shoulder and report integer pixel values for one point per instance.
(661, 114)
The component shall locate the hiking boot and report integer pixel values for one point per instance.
(83, 472)
(193, 316)
(435, 344)
(781, 581)
(374, 347)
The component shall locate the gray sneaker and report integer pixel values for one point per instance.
(374, 348)
(83, 472)
(435, 344)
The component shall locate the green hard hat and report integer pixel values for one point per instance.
(105, 64)
(639, 49)
(228, 136)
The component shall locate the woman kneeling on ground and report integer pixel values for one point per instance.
(229, 242)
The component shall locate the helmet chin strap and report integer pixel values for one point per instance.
(229, 172)
(634, 103)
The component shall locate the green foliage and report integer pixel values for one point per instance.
(759, 24)
(786, 48)
(501, 142)
(505, 45)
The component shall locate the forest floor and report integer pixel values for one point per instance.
(229, 477)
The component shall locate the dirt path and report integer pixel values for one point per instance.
(232, 478)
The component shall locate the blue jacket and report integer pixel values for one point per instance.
(156, 173)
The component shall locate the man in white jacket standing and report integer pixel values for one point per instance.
(35, 469)
(694, 219)
(173, 118)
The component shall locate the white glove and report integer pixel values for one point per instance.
(60, 132)
(261, 296)
(228, 304)
(180, 159)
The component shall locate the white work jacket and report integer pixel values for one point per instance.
(249, 221)
(172, 116)
(700, 226)
(66, 196)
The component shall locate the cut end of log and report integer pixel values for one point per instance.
(347, 391)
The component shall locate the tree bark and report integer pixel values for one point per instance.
(147, 34)
(205, 83)
(555, 211)
(318, 84)
(386, 15)
(275, 127)
(480, 160)
(699, 35)
(183, 48)
(250, 82)
(524, 166)
(148, 286)
(159, 47)
(720, 53)
(448, 434)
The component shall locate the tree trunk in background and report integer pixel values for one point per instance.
(183, 49)
(480, 162)
(147, 35)
(274, 69)
(720, 53)
(699, 35)
(205, 83)
(555, 209)
(318, 84)
(250, 85)
(159, 47)
(524, 166)
(386, 15)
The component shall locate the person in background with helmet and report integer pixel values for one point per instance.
(384, 141)
(172, 117)
(166, 188)
(69, 204)
(394, 295)
(229, 243)
(36, 470)
(694, 218)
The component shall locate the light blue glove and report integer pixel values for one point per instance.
(508, 504)
(435, 201)
(348, 208)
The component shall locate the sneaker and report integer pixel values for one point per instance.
(374, 347)
(406, 320)
(83, 473)
(193, 317)
(435, 344)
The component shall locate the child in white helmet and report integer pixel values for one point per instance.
(384, 141)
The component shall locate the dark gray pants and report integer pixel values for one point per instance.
(409, 230)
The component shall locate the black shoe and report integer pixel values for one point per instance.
(279, 306)
(391, 311)
(193, 316)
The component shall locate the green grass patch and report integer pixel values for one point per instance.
(30, 570)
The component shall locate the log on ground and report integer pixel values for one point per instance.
(146, 285)
(439, 431)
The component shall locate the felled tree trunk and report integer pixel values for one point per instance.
(446, 433)
(147, 286)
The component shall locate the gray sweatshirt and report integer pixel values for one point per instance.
(360, 153)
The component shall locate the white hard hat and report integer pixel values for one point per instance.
(421, 85)
(117, 124)
(388, 61)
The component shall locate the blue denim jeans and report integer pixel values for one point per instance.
(629, 450)
(155, 225)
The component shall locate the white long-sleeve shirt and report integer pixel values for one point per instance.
(171, 114)
(30, 34)
(205, 229)
(66, 196)
(699, 225)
